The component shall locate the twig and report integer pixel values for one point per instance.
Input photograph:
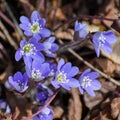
(4, 17)
(48, 102)
(14, 20)
(85, 17)
(91, 66)
(8, 35)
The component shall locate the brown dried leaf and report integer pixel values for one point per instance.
(115, 107)
(91, 102)
(75, 107)
(68, 35)
(58, 112)
(112, 13)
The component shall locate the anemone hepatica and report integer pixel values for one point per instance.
(34, 27)
(88, 82)
(38, 71)
(46, 114)
(29, 50)
(4, 107)
(81, 29)
(50, 47)
(64, 76)
(44, 92)
(102, 40)
(19, 82)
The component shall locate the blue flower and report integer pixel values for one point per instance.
(19, 82)
(34, 27)
(88, 82)
(81, 29)
(38, 71)
(29, 50)
(43, 94)
(64, 76)
(102, 40)
(46, 114)
(4, 107)
(50, 47)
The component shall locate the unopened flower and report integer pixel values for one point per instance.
(64, 76)
(50, 47)
(46, 114)
(81, 28)
(38, 71)
(34, 27)
(102, 40)
(4, 107)
(19, 82)
(29, 50)
(43, 94)
(88, 82)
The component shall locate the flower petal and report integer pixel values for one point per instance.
(35, 16)
(55, 83)
(24, 19)
(74, 71)
(73, 83)
(96, 85)
(66, 68)
(18, 55)
(60, 64)
(44, 32)
(90, 91)
(107, 48)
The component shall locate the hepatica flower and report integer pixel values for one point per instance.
(50, 47)
(102, 40)
(88, 82)
(19, 82)
(38, 71)
(35, 26)
(81, 29)
(46, 114)
(64, 76)
(29, 50)
(4, 107)
(43, 94)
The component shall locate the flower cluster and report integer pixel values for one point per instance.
(39, 69)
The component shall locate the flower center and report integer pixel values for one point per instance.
(20, 84)
(102, 40)
(35, 27)
(86, 82)
(61, 77)
(29, 49)
(36, 74)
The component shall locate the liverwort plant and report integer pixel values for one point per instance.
(102, 40)
(44, 72)
(37, 70)
(81, 28)
(46, 114)
(29, 50)
(34, 27)
(64, 76)
(50, 47)
(19, 82)
(88, 82)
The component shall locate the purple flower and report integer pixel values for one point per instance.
(29, 50)
(88, 82)
(102, 40)
(46, 114)
(64, 76)
(43, 94)
(34, 27)
(50, 47)
(19, 82)
(81, 29)
(38, 71)
(4, 107)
